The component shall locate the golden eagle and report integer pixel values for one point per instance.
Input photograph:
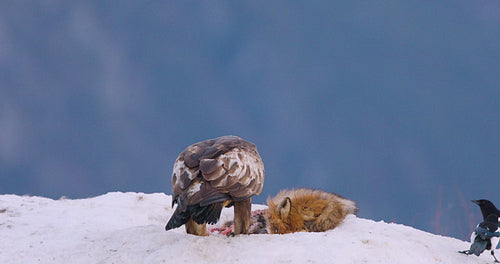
(212, 174)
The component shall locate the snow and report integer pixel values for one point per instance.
(129, 228)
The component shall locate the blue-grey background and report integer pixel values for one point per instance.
(394, 104)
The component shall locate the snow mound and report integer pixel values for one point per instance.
(129, 228)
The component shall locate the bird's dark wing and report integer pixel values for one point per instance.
(478, 247)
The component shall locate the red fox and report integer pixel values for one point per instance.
(307, 210)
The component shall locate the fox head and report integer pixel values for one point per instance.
(284, 218)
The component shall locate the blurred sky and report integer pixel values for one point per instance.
(394, 104)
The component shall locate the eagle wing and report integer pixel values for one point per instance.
(217, 170)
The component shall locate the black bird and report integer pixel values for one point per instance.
(487, 207)
(486, 237)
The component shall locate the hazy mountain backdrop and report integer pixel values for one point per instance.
(394, 104)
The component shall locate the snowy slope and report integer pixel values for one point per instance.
(129, 228)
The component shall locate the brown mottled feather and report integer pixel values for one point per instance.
(205, 160)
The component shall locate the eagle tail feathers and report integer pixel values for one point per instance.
(200, 214)
(177, 219)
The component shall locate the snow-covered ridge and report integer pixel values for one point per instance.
(129, 228)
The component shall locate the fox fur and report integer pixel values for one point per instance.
(307, 210)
